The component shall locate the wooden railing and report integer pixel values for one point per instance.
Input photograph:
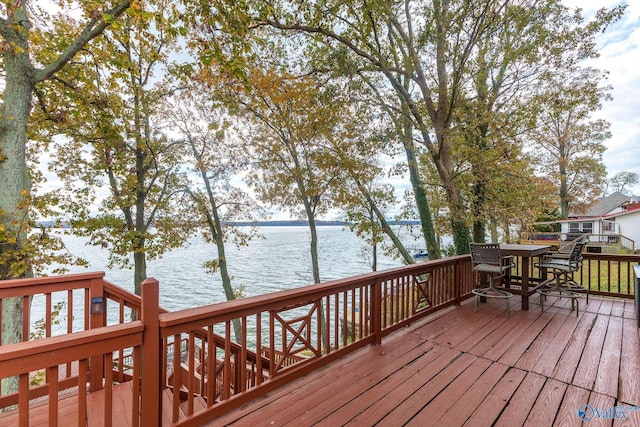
(84, 352)
(607, 274)
(297, 331)
(603, 274)
(193, 355)
(553, 238)
(67, 346)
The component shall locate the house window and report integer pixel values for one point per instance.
(587, 227)
(574, 227)
(607, 227)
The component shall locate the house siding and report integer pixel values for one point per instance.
(630, 226)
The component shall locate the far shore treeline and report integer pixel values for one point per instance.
(279, 223)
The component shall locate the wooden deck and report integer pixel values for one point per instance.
(459, 368)
(454, 368)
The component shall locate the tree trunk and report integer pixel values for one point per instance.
(15, 185)
(385, 225)
(422, 203)
(315, 266)
(222, 264)
(459, 227)
(564, 192)
(420, 195)
(140, 270)
(374, 239)
(479, 233)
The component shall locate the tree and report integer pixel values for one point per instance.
(570, 145)
(214, 158)
(430, 45)
(294, 120)
(532, 41)
(422, 43)
(110, 114)
(21, 77)
(363, 198)
(373, 92)
(623, 179)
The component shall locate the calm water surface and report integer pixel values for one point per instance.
(280, 260)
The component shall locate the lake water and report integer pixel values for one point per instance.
(280, 260)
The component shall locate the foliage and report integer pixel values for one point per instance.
(22, 72)
(121, 174)
(570, 145)
(213, 157)
(295, 124)
(26, 28)
(621, 180)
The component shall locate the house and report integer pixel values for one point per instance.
(614, 219)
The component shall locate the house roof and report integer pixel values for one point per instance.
(604, 205)
(632, 208)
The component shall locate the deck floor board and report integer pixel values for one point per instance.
(476, 369)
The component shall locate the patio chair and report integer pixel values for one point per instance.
(562, 285)
(563, 255)
(486, 258)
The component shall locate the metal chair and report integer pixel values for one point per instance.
(486, 258)
(562, 284)
(563, 255)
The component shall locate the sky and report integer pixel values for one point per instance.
(619, 55)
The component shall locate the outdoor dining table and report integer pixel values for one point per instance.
(525, 252)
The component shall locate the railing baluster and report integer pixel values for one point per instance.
(259, 366)
(227, 361)
(26, 317)
(177, 377)
(23, 400)
(191, 383)
(108, 390)
(48, 315)
(52, 375)
(82, 392)
(136, 393)
(243, 355)
(210, 372)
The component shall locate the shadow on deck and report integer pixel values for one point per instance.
(459, 367)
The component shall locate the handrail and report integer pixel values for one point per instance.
(228, 310)
(25, 287)
(27, 356)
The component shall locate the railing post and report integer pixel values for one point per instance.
(376, 307)
(96, 320)
(150, 406)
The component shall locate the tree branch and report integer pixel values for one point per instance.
(93, 29)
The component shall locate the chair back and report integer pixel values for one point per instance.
(485, 253)
(576, 251)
